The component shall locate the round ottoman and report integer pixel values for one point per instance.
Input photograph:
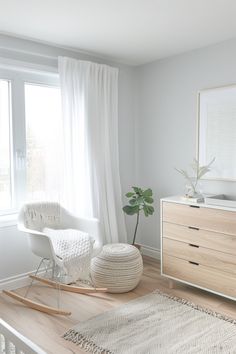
(118, 267)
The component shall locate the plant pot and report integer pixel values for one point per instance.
(138, 246)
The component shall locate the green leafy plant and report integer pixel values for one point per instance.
(198, 173)
(139, 200)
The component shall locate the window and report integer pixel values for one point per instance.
(30, 141)
(42, 115)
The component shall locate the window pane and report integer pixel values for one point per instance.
(5, 150)
(43, 111)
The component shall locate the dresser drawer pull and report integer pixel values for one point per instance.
(194, 206)
(195, 263)
(193, 228)
(192, 245)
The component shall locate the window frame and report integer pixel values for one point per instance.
(8, 211)
(18, 78)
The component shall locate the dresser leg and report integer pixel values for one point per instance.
(171, 284)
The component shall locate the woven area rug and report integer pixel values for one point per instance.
(156, 323)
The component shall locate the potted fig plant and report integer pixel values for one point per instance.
(140, 200)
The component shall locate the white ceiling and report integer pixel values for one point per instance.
(130, 31)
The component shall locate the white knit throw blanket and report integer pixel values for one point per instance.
(74, 247)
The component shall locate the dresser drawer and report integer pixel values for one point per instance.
(208, 239)
(200, 275)
(204, 256)
(222, 221)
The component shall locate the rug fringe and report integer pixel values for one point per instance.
(84, 342)
(196, 307)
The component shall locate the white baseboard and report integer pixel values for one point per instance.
(21, 280)
(17, 281)
(151, 252)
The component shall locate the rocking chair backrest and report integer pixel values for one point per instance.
(33, 217)
(37, 216)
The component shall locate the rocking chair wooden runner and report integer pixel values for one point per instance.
(33, 218)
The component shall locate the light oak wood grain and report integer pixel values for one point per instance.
(70, 288)
(214, 240)
(46, 330)
(221, 221)
(36, 305)
(205, 256)
(200, 275)
(171, 284)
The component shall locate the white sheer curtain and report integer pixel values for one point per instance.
(90, 133)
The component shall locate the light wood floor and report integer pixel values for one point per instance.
(46, 330)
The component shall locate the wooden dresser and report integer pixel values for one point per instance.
(198, 245)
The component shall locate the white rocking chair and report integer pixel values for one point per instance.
(52, 215)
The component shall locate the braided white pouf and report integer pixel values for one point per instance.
(118, 267)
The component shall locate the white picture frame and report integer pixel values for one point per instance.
(216, 133)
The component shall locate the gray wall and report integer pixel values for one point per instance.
(166, 121)
(157, 128)
(15, 257)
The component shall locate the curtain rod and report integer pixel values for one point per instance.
(18, 65)
(72, 53)
(28, 52)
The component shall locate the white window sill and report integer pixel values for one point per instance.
(8, 220)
